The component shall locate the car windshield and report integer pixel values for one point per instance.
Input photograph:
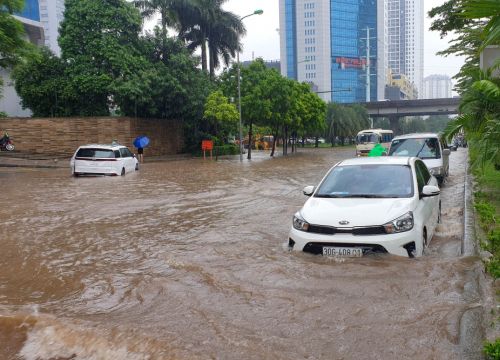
(95, 153)
(367, 181)
(424, 148)
(367, 138)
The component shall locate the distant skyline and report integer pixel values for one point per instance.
(262, 39)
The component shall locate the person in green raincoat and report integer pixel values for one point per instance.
(378, 150)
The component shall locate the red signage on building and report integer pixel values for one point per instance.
(348, 62)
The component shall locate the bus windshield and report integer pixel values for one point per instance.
(367, 138)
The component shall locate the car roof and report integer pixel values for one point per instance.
(417, 136)
(102, 146)
(378, 160)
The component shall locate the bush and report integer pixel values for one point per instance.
(492, 350)
(228, 149)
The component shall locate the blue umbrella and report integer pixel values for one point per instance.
(141, 141)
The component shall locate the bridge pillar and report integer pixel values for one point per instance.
(394, 120)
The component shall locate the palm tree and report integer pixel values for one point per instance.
(171, 12)
(205, 23)
(480, 115)
(489, 9)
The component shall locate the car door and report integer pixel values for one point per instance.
(430, 205)
(125, 158)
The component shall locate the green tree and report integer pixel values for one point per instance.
(99, 42)
(170, 87)
(12, 43)
(479, 89)
(436, 123)
(221, 115)
(40, 81)
(173, 13)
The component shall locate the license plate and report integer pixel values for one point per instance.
(342, 251)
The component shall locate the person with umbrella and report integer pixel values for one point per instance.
(140, 143)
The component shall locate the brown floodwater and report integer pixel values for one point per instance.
(187, 259)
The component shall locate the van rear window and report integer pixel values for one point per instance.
(96, 153)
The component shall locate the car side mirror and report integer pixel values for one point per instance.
(133, 155)
(446, 152)
(430, 190)
(308, 190)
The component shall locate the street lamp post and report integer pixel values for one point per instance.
(256, 12)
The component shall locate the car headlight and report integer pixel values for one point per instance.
(435, 171)
(401, 224)
(299, 223)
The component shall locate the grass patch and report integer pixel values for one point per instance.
(492, 350)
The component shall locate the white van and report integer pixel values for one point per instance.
(98, 159)
(426, 146)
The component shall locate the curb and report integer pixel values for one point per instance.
(472, 332)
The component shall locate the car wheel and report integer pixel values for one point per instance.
(137, 167)
(123, 172)
(75, 174)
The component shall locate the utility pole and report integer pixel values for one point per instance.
(368, 81)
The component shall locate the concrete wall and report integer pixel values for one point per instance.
(62, 136)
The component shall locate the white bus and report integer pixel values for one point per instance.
(367, 139)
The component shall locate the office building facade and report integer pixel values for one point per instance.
(335, 45)
(437, 87)
(51, 15)
(405, 39)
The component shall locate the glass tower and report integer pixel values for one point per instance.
(326, 43)
(352, 21)
(31, 10)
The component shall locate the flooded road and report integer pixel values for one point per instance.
(186, 260)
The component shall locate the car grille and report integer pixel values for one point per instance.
(330, 230)
(317, 248)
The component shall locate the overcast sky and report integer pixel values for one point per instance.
(262, 39)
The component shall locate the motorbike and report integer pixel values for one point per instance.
(6, 144)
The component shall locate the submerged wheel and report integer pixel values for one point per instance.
(123, 172)
(137, 167)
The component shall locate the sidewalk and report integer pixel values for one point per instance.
(15, 159)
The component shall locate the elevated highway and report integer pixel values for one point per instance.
(400, 108)
(394, 110)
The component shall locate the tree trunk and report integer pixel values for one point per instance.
(316, 142)
(303, 141)
(164, 36)
(249, 157)
(275, 138)
(204, 56)
(212, 53)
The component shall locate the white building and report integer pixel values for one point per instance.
(405, 31)
(10, 102)
(51, 15)
(324, 43)
(437, 86)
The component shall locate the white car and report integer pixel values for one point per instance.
(98, 159)
(363, 205)
(427, 147)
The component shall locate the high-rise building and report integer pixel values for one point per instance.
(399, 88)
(437, 86)
(335, 45)
(10, 103)
(51, 15)
(405, 36)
